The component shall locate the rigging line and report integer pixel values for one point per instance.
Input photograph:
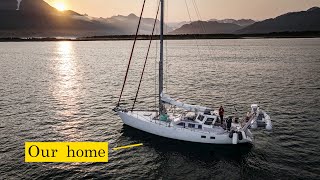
(167, 67)
(209, 43)
(155, 70)
(199, 16)
(193, 28)
(201, 23)
(134, 43)
(155, 77)
(190, 16)
(145, 61)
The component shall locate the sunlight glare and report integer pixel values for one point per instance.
(60, 6)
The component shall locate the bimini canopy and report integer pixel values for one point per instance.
(195, 108)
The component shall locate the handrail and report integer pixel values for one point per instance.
(245, 127)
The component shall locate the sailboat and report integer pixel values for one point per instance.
(195, 124)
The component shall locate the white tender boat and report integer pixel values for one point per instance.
(261, 118)
(193, 124)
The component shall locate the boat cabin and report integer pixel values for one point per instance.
(206, 119)
(199, 120)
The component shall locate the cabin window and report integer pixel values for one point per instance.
(191, 125)
(199, 126)
(212, 137)
(209, 121)
(200, 117)
(181, 124)
(203, 136)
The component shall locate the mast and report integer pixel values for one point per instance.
(161, 57)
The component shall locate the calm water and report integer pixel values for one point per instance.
(64, 91)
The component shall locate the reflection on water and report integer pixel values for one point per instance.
(66, 89)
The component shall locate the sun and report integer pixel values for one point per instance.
(60, 6)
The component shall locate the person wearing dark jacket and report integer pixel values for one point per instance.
(229, 122)
(221, 112)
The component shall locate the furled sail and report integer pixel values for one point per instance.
(195, 108)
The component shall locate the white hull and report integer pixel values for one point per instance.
(166, 129)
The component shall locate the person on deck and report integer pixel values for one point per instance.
(221, 112)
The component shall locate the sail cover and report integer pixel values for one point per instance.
(195, 108)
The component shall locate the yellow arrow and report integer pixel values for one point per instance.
(125, 147)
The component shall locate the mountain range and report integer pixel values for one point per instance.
(290, 22)
(128, 24)
(207, 27)
(240, 22)
(36, 18)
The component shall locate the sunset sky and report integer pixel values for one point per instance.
(177, 11)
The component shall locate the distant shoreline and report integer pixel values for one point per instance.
(311, 34)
